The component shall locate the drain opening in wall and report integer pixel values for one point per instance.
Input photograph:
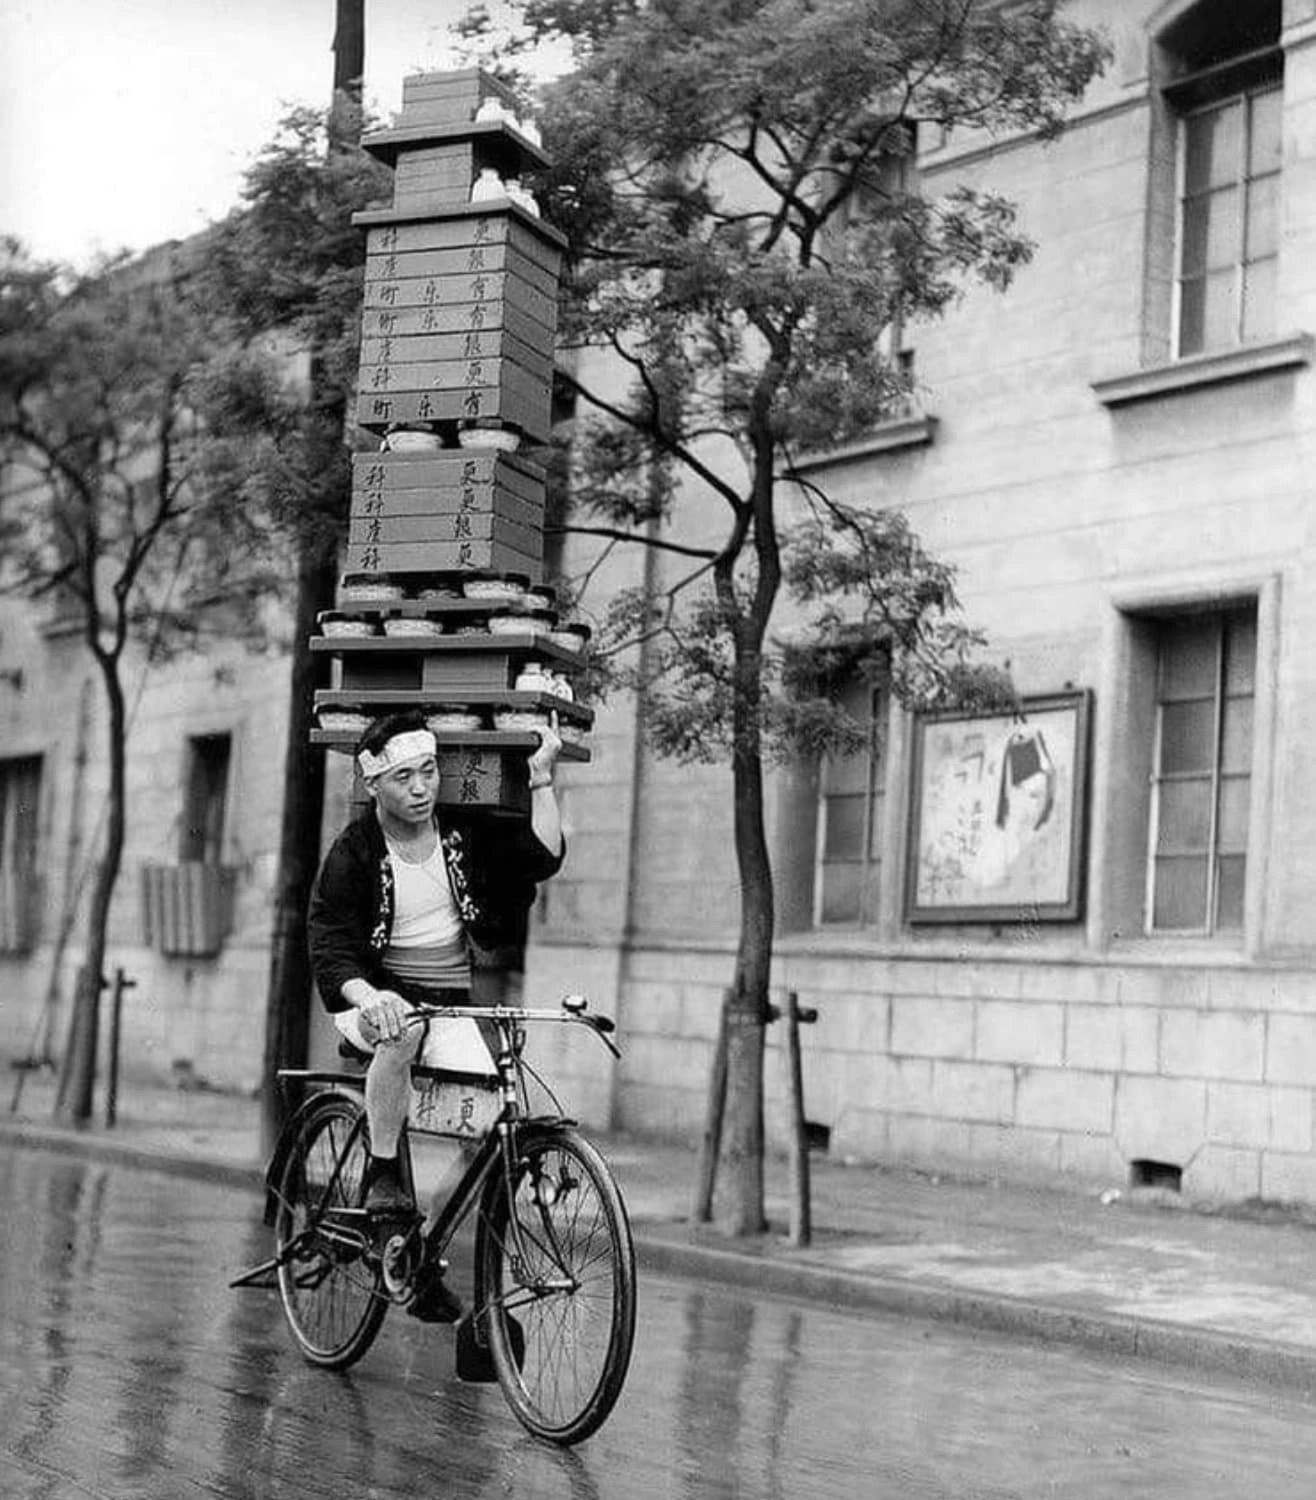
(1145, 1173)
(817, 1137)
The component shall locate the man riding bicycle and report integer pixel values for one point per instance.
(407, 903)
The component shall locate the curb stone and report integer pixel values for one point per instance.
(114, 1153)
(1288, 1366)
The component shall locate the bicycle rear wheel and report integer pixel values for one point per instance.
(559, 1305)
(329, 1277)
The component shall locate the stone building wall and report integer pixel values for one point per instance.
(1085, 486)
(197, 1016)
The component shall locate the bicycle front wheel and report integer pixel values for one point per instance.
(329, 1276)
(558, 1276)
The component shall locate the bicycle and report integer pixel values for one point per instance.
(553, 1313)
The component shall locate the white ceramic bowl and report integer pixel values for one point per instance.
(411, 442)
(369, 591)
(513, 718)
(343, 628)
(497, 590)
(517, 625)
(498, 438)
(339, 721)
(454, 722)
(412, 625)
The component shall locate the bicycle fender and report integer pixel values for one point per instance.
(493, 1188)
(292, 1128)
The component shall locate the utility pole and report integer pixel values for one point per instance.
(288, 998)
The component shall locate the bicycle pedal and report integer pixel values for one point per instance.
(433, 1299)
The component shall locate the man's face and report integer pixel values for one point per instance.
(408, 792)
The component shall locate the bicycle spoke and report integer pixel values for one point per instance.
(559, 1266)
(555, 1272)
(563, 1245)
(329, 1276)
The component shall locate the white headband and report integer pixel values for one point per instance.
(401, 750)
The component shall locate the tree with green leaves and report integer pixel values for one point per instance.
(733, 178)
(174, 456)
(105, 510)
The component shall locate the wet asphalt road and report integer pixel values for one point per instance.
(129, 1371)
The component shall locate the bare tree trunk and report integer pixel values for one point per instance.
(747, 1004)
(73, 872)
(77, 1084)
(746, 1011)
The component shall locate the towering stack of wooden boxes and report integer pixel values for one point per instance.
(441, 605)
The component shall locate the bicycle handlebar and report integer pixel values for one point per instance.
(572, 1010)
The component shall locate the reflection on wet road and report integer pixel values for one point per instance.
(129, 1371)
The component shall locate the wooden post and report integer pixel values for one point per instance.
(801, 1219)
(121, 983)
(711, 1144)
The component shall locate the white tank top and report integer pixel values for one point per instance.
(424, 913)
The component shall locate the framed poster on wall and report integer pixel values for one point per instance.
(998, 814)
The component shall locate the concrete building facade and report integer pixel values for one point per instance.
(1117, 457)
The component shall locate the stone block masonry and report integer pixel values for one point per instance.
(1096, 493)
(1036, 1087)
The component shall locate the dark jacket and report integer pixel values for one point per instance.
(493, 866)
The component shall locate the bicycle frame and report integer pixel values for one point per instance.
(495, 1147)
(553, 1315)
(498, 1143)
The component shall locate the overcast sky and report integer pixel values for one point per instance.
(128, 122)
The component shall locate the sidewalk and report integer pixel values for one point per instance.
(1136, 1276)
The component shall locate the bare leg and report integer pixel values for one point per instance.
(388, 1091)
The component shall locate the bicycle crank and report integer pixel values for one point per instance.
(400, 1260)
